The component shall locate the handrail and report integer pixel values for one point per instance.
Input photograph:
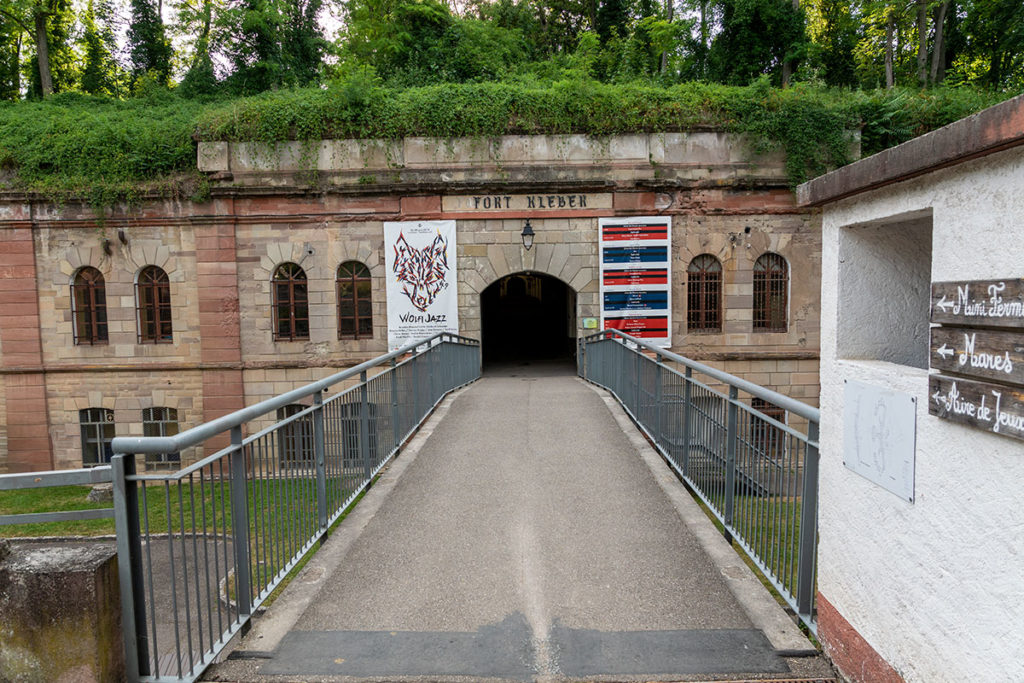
(154, 445)
(37, 480)
(781, 400)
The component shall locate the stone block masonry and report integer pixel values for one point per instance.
(221, 257)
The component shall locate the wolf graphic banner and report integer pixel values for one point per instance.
(636, 277)
(422, 294)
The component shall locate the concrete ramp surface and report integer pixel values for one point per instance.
(524, 538)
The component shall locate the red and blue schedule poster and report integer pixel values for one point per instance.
(636, 277)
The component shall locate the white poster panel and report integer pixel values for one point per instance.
(422, 294)
(636, 277)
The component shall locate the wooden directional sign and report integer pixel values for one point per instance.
(992, 407)
(980, 353)
(979, 303)
(964, 345)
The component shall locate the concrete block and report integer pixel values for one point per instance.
(213, 156)
(62, 614)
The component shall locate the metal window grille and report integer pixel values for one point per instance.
(291, 303)
(766, 437)
(771, 282)
(295, 441)
(97, 426)
(153, 304)
(89, 307)
(161, 422)
(704, 295)
(355, 310)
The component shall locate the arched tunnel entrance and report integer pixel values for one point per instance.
(527, 317)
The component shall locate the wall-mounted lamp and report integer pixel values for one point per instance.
(527, 235)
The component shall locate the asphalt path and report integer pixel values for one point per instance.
(525, 541)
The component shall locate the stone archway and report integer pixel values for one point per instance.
(528, 316)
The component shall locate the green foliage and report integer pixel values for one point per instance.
(148, 47)
(99, 149)
(416, 42)
(105, 150)
(756, 37)
(100, 74)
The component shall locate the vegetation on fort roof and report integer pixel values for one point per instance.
(106, 149)
(108, 97)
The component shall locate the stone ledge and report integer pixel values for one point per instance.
(992, 130)
(697, 148)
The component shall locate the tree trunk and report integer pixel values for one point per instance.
(939, 48)
(16, 76)
(922, 42)
(669, 6)
(789, 65)
(43, 55)
(888, 50)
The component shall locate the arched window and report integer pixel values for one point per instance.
(704, 294)
(160, 421)
(355, 313)
(97, 425)
(153, 306)
(291, 303)
(89, 307)
(771, 285)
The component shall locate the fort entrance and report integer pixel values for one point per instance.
(528, 316)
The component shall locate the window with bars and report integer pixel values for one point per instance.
(766, 437)
(97, 425)
(161, 422)
(89, 307)
(291, 303)
(704, 294)
(355, 311)
(153, 306)
(295, 439)
(771, 285)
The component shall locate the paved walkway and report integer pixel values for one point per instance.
(523, 538)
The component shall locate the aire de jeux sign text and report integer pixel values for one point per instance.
(981, 338)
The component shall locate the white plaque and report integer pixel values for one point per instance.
(422, 294)
(879, 432)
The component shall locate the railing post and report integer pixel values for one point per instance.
(414, 378)
(240, 525)
(808, 526)
(364, 425)
(395, 429)
(129, 568)
(620, 366)
(687, 410)
(730, 457)
(637, 367)
(659, 408)
(319, 458)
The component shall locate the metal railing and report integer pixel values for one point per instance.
(199, 549)
(756, 473)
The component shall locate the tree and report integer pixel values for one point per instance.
(756, 38)
(148, 48)
(100, 72)
(48, 23)
(833, 32)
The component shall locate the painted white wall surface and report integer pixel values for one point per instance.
(935, 586)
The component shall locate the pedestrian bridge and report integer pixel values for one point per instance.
(537, 525)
